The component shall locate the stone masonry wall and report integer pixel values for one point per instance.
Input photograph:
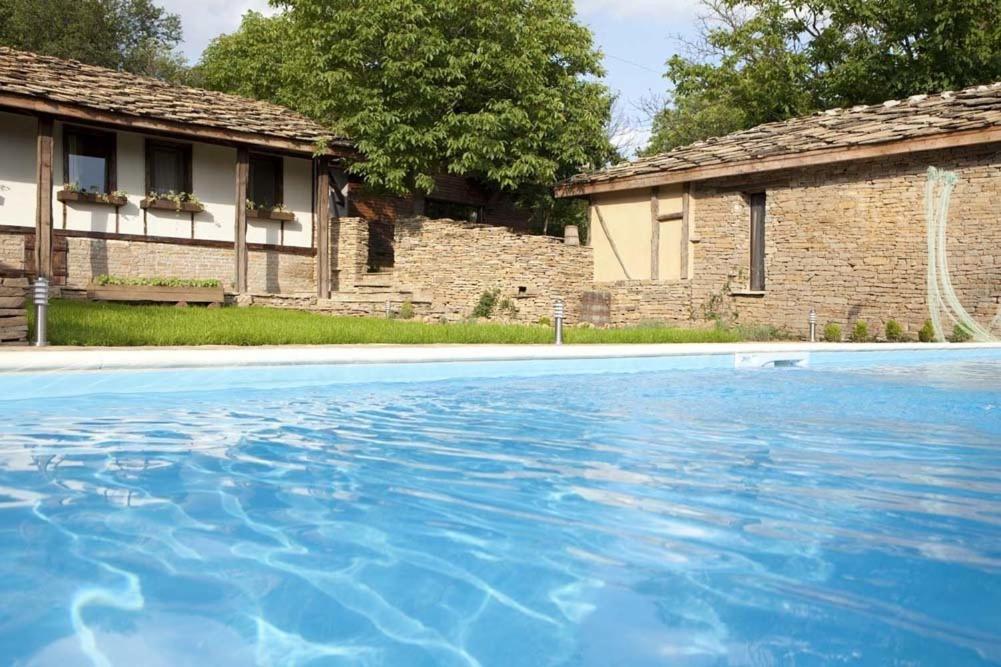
(11, 251)
(639, 301)
(850, 240)
(453, 263)
(13, 316)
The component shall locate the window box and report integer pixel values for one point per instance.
(68, 196)
(265, 214)
(155, 294)
(168, 205)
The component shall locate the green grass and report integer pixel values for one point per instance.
(110, 324)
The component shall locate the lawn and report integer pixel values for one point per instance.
(86, 323)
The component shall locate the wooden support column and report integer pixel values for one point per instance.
(655, 234)
(686, 228)
(323, 229)
(43, 199)
(240, 233)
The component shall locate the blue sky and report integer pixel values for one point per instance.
(637, 36)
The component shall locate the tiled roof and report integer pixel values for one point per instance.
(97, 88)
(917, 117)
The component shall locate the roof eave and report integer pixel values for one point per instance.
(939, 141)
(79, 113)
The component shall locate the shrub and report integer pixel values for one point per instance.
(961, 334)
(485, 307)
(507, 307)
(860, 332)
(927, 332)
(832, 332)
(154, 282)
(407, 310)
(894, 332)
(545, 322)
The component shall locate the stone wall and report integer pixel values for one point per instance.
(451, 264)
(639, 301)
(11, 251)
(13, 316)
(850, 240)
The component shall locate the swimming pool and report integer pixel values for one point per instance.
(619, 512)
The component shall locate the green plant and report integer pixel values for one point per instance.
(860, 332)
(177, 198)
(545, 322)
(507, 307)
(105, 280)
(485, 306)
(894, 332)
(960, 334)
(927, 332)
(406, 310)
(832, 332)
(71, 187)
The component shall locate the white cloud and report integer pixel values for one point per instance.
(204, 19)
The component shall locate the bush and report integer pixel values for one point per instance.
(545, 322)
(507, 307)
(407, 310)
(894, 332)
(832, 332)
(860, 332)
(961, 334)
(485, 307)
(927, 332)
(104, 280)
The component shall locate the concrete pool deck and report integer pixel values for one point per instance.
(33, 360)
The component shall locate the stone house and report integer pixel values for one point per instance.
(825, 212)
(105, 172)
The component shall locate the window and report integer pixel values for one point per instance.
(264, 186)
(757, 202)
(436, 209)
(168, 167)
(89, 159)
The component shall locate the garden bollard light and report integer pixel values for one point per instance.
(813, 325)
(558, 320)
(41, 298)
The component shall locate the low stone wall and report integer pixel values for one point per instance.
(850, 241)
(450, 264)
(13, 316)
(273, 272)
(639, 301)
(12, 250)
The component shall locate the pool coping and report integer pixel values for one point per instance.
(33, 360)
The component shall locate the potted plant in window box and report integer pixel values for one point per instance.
(169, 290)
(72, 192)
(262, 212)
(172, 201)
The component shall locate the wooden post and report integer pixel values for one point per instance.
(240, 233)
(655, 234)
(43, 199)
(686, 228)
(323, 229)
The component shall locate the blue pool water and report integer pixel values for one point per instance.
(846, 514)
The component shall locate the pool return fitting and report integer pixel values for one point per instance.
(41, 298)
(558, 321)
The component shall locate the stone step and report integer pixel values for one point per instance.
(376, 299)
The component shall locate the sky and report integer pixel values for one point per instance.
(636, 36)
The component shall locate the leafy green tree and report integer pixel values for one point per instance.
(505, 91)
(133, 35)
(767, 60)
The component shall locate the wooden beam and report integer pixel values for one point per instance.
(611, 242)
(686, 228)
(654, 233)
(756, 166)
(240, 232)
(43, 198)
(668, 217)
(157, 126)
(323, 229)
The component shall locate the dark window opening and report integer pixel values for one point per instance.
(168, 167)
(757, 202)
(437, 209)
(265, 182)
(89, 160)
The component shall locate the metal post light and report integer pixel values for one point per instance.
(41, 298)
(558, 320)
(813, 325)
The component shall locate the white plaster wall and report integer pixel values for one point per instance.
(213, 178)
(17, 170)
(298, 193)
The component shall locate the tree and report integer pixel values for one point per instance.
(504, 91)
(132, 35)
(758, 61)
